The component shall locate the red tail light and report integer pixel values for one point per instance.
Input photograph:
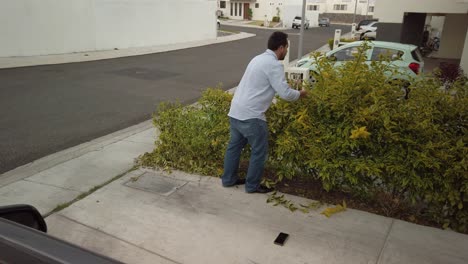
(415, 67)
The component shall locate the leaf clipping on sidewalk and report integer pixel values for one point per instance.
(333, 210)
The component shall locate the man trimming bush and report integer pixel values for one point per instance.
(263, 78)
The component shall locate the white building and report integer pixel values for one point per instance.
(42, 27)
(238, 9)
(362, 7)
(404, 21)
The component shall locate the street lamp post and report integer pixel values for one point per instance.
(367, 9)
(301, 36)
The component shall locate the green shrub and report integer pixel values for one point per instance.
(355, 132)
(192, 138)
(275, 19)
(250, 14)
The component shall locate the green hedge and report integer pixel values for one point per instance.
(355, 132)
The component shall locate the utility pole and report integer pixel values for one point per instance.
(367, 10)
(355, 9)
(301, 36)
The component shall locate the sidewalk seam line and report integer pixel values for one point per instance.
(51, 185)
(85, 194)
(385, 242)
(120, 239)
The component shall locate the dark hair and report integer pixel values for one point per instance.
(277, 39)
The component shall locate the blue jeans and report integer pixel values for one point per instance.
(254, 132)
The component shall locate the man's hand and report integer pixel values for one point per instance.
(303, 94)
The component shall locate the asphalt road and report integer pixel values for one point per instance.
(45, 109)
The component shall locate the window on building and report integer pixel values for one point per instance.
(340, 7)
(235, 9)
(257, 5)
(232, 8)
(240, 9)
(222, 4)
(313, 7)
(362, 1)
(371, 9)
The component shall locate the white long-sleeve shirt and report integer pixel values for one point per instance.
(263, 78)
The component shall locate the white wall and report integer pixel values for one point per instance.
(260, 12)
(41, 27)
(453, 36)
(464, 58)
(392, 11)
(437, 24)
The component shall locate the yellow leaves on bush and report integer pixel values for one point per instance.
(215, 143)
(360, 133)
(333, 210)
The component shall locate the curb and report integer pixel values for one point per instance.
(15, 62)
(257, 27)
(57, 158)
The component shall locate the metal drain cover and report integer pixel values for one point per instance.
(155, 183)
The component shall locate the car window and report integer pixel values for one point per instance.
(297, 18)
(417, 56)
(346, 54)
(383, 53)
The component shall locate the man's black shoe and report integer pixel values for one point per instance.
(263, 189)
(238, 182)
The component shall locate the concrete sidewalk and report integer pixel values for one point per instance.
(153, 217)
(245, 23)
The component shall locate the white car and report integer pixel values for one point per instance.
(372, 27)
(297, 23)
(404, 58)
(371, 35)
